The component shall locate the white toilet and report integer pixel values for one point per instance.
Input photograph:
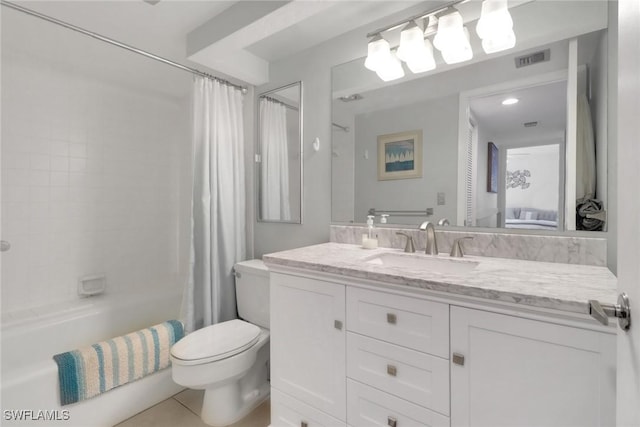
(230, 360)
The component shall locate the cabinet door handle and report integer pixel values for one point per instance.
(304, 424)
(392, 370)
(392, 318)
(458, 359)
(392, 422)
(337, 324)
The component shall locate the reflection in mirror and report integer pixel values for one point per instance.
(279, 157)
(541, 164)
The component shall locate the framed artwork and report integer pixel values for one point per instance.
(400, 155)
(492, 168)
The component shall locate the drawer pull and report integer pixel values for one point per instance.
(337, 324)
(304, 424)
(392, 370)
(391, 318)
(392, 422)
(458, 359)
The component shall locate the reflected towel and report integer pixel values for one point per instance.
(89, 371)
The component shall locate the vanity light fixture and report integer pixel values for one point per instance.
(510, 101)
(452, 39)
(495, 26)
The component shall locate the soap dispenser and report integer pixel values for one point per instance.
(370, 240)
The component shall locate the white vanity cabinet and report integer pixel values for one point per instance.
(364, 354)
(307, 351)
(522, 372)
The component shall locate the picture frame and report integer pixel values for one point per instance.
(492, 168)
(400, 155)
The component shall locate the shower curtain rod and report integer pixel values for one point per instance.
(118, 44)
(277, 101)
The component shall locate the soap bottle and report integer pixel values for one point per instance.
(370, 240)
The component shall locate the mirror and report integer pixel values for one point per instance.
(484, 164)
(279, 159)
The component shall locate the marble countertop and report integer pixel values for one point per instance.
(565, 287)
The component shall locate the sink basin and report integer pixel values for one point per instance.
(424, 263)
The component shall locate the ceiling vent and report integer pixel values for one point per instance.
(533, 58)
(354, 97)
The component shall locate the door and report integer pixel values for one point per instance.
(628, 389)
(308, 342)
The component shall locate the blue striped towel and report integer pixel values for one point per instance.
(89, 371)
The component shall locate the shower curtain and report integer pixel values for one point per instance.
(218, 205)
(274, 200)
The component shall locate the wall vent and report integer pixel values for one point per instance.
(533, 58)
(530, 124)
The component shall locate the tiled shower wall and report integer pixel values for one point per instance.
(94, 181)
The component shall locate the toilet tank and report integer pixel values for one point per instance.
(252, 292)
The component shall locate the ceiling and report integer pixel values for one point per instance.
(544, 104)
(232, 38)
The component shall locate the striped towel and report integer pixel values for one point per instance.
(89, 371)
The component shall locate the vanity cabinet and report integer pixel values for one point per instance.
(522, 372)
(364, 355)
(308, 349)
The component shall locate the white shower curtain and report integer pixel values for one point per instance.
(585, 152)
(274, 201)
(218, 205)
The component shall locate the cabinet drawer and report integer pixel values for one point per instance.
(410, 322)
(290, 412)
(368, 407)
(417, 377)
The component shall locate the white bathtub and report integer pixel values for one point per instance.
(30, 376)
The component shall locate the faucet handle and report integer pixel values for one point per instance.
(409, 246)
(456, 249)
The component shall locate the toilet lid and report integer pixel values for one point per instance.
(216, 342)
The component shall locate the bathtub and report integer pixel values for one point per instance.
(30, 376)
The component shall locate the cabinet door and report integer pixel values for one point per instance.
(308, 342)
(289, 412)
(519, 372)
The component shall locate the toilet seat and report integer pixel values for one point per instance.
(215, 342)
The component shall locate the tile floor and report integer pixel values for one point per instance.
(183, 410)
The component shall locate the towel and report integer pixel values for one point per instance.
(89, 371)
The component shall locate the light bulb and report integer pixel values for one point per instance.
(411, 42)
(423, 62)
(390, 69)
(495, 26)
(378, 50)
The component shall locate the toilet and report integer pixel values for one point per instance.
(230, 360)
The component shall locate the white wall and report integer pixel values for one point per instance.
(94, 169)
(438, 120)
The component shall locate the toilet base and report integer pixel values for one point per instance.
(216, 410)
(228, 403)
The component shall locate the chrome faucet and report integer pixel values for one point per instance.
(409, 246)
(456, 249)
(432, 245)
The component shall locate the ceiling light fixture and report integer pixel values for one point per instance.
(510, 101)
(452, 39)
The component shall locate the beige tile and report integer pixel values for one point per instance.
(260, 417)
(192, 399)
(169, 413)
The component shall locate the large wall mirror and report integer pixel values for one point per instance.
(527, 165)
(279, 155)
